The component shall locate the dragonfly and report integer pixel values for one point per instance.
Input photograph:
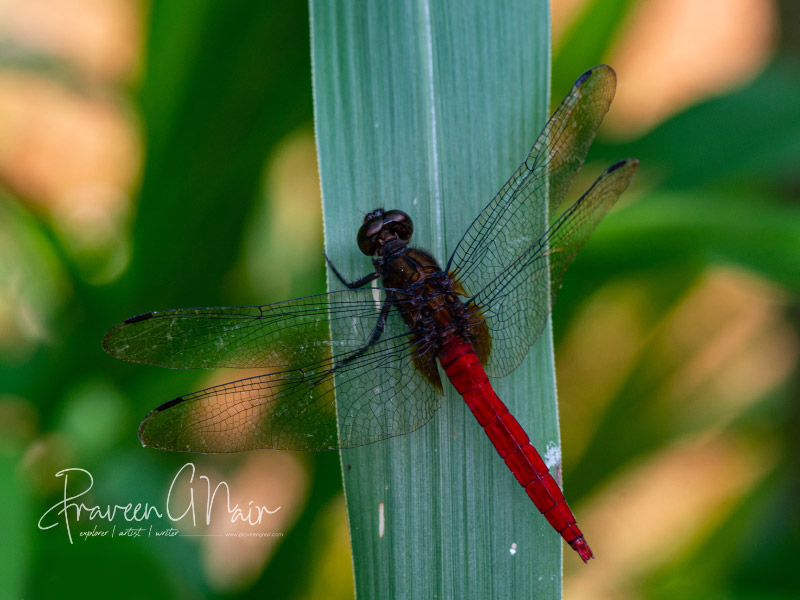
(384, 344)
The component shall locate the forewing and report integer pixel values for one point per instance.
(277, 336)
(512, 302)
(515, 218)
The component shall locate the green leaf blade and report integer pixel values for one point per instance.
(429, 108)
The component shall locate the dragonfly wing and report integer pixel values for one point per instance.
(296, 409)
(503, 259)
(292, 405)
(512, 303)
(278, 335)
(514, 218)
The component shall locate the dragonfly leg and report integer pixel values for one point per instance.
(351, 284)
(374, 336)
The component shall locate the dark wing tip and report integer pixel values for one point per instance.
(587, 74)
(584, 76)
(111, 343)
(138, 318)
(631, 162)
(166, 405)
(144, 436)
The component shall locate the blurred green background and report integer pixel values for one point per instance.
(161, 155)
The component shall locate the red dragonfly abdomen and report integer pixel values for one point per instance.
(465, 371)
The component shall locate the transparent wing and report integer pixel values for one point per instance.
(512, 230)
(292, 406)
(512, 302)
(274, 335)
(514, 219)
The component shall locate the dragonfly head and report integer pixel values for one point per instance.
(382, 226)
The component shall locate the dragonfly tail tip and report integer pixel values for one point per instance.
(582, 548)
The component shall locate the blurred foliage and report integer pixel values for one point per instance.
(225, 83)
(717, 188)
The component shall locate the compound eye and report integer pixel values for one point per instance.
(367, 235)
(400, 224)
